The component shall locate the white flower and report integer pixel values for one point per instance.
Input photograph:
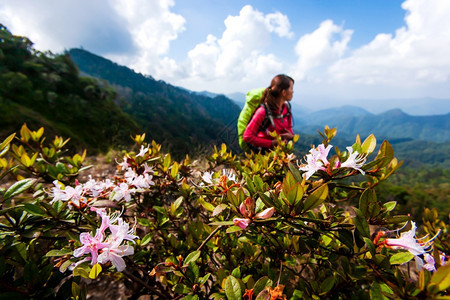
(354, 160)
(143, 151)
(207, 177)
(229, 173)
(124, 165)
(123, 191)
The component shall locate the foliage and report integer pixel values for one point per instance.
(254, 227)
(417, 188)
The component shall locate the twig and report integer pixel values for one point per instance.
(134, 278)
(209, 237)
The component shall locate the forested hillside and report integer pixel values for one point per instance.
(43, 89)
(173, 116)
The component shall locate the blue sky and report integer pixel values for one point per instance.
(338, 51)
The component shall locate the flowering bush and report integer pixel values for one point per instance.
(259, 226)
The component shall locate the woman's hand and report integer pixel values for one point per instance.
(287, 136)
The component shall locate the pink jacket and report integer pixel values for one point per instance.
(263, 139)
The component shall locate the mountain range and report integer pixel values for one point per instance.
(188, 107)
(351, 120)
(100, 104)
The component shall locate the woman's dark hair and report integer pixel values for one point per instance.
(271, 94)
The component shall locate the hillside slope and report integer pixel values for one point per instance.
(172, 116)
(46, 90)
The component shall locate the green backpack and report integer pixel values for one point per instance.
(252, 102)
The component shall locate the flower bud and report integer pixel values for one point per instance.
(265, 214)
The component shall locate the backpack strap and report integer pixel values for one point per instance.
(268, 119)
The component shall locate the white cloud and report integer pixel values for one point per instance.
(324, 45)
(416, 55)
(57, 25)
(139, 34)
(238, 58)
(152, 26)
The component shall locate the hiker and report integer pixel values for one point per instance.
(275, 98)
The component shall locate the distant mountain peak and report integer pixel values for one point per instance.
(394, 113)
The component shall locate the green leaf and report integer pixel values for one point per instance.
(236, 272)
(346, 237)
(75, 289)
(166, 163)
(369, 144)
(233, 229)
(233, 288)
(370, 245)
(192, 257)
(389, 206)
(398, 219)
(401, 258)
(316, 198)
(367, 197)
(18, 188)
(174, 170)
(181, 289)
(259, 184)
(327, 284)
(61, 252)
(250, 185)
(206, 205)
(95, 271)
(361, 223)
(295, 172)
(261, 284)
(375, 292)
(225, 223)
(204, 279)
(295, 194)
(233, 198)
(441, 278)
(4, 146)
(218, 209)
(82, 270)
(34, 209)
(147, 238)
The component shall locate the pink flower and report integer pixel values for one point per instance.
(243, 210)
(408, 242)
(416, 246)
(113, 248)
(429, 262)
(242, 223)
(323, 153)
(265, 214)
(67, 193)
(91, 245)
(124, 165)
(316, 160)
(247, 210)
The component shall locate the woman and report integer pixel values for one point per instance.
(274, 98)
